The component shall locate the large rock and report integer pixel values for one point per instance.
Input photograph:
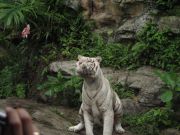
(125, 17)
(103, 12)
(50, 120)
(170, 131)
(170, 22)
(74, 4)
(111, 12)
(66, 67)
(146, 85)
(116, 14)
(129, 29)
(131, 106)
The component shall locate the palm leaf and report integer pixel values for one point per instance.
(15, 13)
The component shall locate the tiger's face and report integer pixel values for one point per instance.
(88, 66)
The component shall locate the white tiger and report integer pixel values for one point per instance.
(100, 104)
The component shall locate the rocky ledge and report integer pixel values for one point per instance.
(55, 120)
(50, 120)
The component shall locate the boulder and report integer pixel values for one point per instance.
(170, 131)
(130, 106)
(51, 120)
(74, 4)
(129, 29)
(111, 12)
(66, 67)
(146, 85)
(170, 22)
(133, 8)
(103, 12)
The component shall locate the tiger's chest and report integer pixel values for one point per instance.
(94, 105)
(96, 113)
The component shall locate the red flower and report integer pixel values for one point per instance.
(26, 31)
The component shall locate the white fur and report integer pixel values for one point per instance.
(100, 104)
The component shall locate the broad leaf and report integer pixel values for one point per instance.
(178, 88)
(170, 79)
(167, 96)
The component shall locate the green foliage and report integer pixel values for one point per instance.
(53, 85)
(59, 32)
(154, 47)
(113, 55)
(165, 4)
(9, 83)
(56, 30)
(77, 38)
(15, 12)
(49, 52)
(172, 89)
(6, 83)
(12, 69)
(157, 48)
(70, 88)
(175, 11)
(20, 90)
(151, 122)
(3, 56)
(122, 91)
(167, 96)
(50, 21)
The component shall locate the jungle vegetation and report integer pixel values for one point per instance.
(58, 32)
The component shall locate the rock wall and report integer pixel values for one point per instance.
(120, 20)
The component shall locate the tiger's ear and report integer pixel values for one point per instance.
(99, 59)
(80, 56)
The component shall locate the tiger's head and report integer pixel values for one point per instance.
(88, 66)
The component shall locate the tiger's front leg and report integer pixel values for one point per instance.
(88, 121)
(108, 122)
